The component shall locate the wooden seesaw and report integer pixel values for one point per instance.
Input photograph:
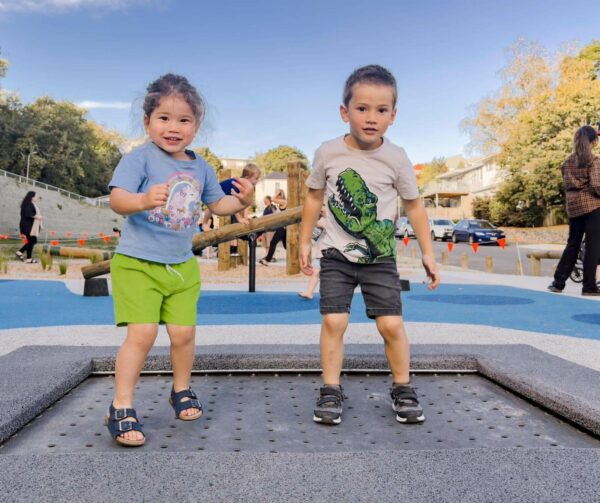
(216, 236)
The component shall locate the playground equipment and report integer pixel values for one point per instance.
(71, 252)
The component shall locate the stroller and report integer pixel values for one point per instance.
(577, 274)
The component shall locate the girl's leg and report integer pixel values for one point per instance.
(592, 251)
(397, 349)
(273, 245)
(183, 346)
(130, 360)
(332, 346)
(312, 284)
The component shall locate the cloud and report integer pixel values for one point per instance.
(90, 105)
(52, 6)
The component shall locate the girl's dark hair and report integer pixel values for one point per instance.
(370, 74)
(169, 84)
(28, 197)
(582, 145)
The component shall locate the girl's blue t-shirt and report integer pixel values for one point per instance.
(164, 234)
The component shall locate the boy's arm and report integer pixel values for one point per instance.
(237, 201)
(206, 216)
(310, 213)
(415, 211)
(125, 203)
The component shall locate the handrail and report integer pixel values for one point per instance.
(71, 195)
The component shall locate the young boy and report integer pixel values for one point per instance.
(362, 174)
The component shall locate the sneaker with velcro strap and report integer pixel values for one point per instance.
(328, 409)
(406, 404)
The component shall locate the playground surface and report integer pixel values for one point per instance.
(505, 330)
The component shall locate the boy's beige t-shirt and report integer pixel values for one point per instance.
(361, 191)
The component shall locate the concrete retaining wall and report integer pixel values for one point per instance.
(61, 213)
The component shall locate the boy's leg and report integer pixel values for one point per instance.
(130, 360)
(183, 346)
(397, 349)
(332, 346)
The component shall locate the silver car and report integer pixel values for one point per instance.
(404, 229)
(441, 228)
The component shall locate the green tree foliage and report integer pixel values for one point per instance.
(481, 208)
(530, 121)
(277, 159)
(436, 167)
(3, 66)
(71, 152)
(210, 157)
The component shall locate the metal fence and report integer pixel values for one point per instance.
(71, 195)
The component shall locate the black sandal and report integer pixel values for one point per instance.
(116, 424)
(179, 406)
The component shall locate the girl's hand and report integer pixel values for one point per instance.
(246, 191)
(305, 262)
(156, 196)
(431, 270)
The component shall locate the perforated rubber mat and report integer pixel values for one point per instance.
(273, 413)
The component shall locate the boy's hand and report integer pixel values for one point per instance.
(246, 191)
(305, 261)
(431, 270)
(156, 196)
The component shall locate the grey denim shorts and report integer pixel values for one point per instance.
(379, 283)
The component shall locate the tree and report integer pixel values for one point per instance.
(529, 123)
(210, 158)
(3, 66)
(277, 159)
(436, 167)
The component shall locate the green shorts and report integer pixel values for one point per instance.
(149, 292)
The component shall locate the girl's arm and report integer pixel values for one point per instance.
(237, 201)
(125, 203)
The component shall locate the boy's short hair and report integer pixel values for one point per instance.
(370, 74)
(250, 169)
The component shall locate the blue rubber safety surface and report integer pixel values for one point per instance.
(50, 303)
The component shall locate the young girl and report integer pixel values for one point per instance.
(159, 187)
(581, 177)
(280, 234)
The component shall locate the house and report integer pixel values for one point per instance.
(451, 194)
(267, 186)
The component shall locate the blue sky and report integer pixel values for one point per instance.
(272, 71)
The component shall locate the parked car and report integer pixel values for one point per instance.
(404, 229)
(441, 228)
(476, 231)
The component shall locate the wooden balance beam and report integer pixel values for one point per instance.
(72, 252)
(536, 257)
(221, 235)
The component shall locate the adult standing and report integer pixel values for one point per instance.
(270, 208)
(30, 226)
(581, 176)
(280, 233)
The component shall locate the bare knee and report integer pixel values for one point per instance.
(181, 336)
(335, 324)
(390, 327)
(142, 337)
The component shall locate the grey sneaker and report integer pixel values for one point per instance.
(406, 404)
(554, 289)
(328, 409)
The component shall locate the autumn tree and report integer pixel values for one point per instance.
(210, 157)
(529, 123)
(277, 158)
(436, 167)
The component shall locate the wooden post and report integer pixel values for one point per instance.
(444, 257)
(243, 251)
(464, 261)
(293, 231)
(536, 266)
(224, 263)
(489, 264)
(519, 267)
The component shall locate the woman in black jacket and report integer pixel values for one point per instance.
(29, 226)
